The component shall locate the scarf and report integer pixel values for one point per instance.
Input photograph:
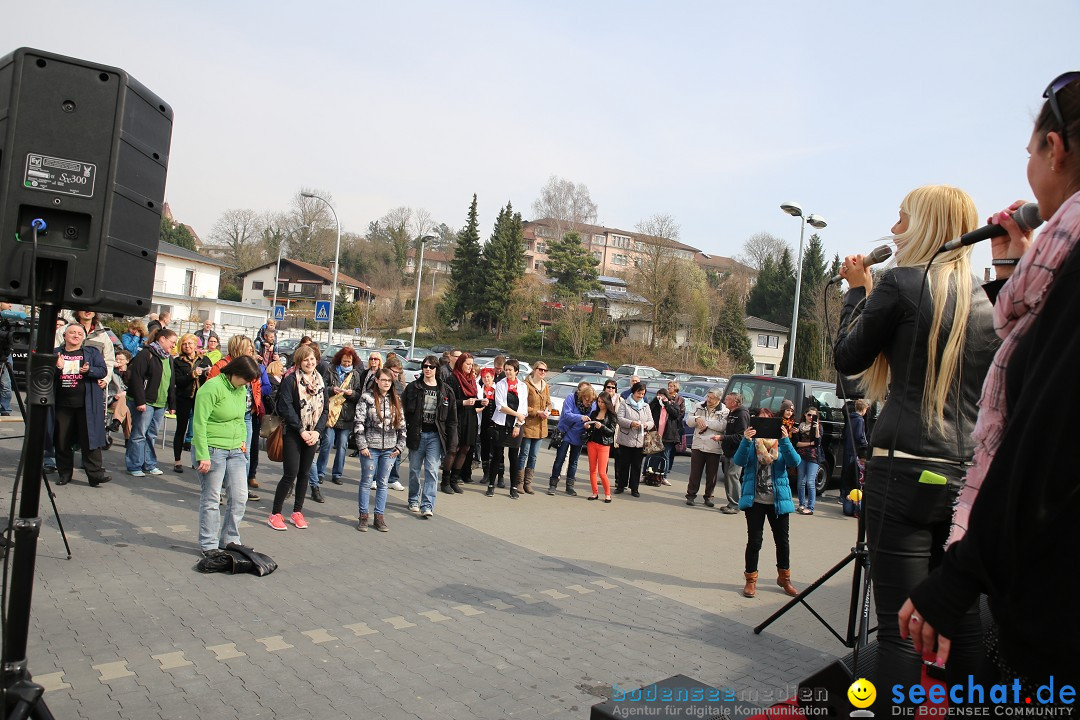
(312, 397)
(158, 350)
(1018, 306)
(767, 451)
(467, 382)
(342, 373)
(638, 405)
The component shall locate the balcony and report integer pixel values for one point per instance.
(176, 288)
(298, 294)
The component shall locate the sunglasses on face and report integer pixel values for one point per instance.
(541, 370)
(429, 367)
(1057, 85)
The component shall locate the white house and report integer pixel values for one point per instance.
(186, 285)
(299, 281)
(767, 342)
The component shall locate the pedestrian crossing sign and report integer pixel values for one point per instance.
(322, 311)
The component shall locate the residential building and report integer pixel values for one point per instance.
(617, 251)
(186, 285)
(435, 261)
(299, 281)
(767, 341)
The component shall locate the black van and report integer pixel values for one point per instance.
(767, 391)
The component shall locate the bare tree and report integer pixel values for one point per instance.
(422, 222)
(237, 235)
(565, 203)
(315, 244)
(575, 324)
(655, 262)
(760, 246)
(398, 224)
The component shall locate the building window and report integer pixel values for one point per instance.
(256, 285)
(637, 262)
(620, 241)
(541, 248)
(248, 321)
(768, 341)
(598, 240)
(765, 369)
(619, 259)
(538, 266)
(598, 255)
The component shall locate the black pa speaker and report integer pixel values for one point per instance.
(84, 148)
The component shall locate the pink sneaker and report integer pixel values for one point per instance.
(277, 522)
(298, 520)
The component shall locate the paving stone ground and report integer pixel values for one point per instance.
(495, 608)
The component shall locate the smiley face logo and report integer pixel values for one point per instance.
(862, 693)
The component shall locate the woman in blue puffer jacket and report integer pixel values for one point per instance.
(766, 493)
(572, 419)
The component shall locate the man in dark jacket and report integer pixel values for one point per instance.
(205, 334)
(150, 391)
(738, 420)
(431, 433)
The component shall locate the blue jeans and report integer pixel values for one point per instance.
(427, 457)
(5, 387)
(318, 468)
(339, 441)
(394, 476)
(530, 447)
(228, 467)
(376, 467)
(140, 454)
(571, 470)
(807, 483)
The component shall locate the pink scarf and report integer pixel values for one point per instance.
(1017, 308)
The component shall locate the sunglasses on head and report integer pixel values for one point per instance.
(1057, 85)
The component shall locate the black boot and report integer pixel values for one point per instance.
(515, 483)
(570, 487)
(452, 481)
(444, 482)
(466, 472)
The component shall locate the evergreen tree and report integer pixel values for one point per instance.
(773, 294)
(466, 282)
(573, 268)
(808, 343)
(177, 234)
(729, 333)
(503, 263)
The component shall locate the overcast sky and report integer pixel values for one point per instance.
(713, 112)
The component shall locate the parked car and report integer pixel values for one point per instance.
(597, 367)
(483, 362)
(597, 381)
(642, 371)
(765, 391)
(411, 370)
(396, 343)
(714, 379)
(490, 352)
(559, 392)
(697, 389)
(679, 377)
(441, 348)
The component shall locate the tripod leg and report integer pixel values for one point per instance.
(6, 368)
(801, 596)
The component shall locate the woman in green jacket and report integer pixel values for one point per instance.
(220, 434)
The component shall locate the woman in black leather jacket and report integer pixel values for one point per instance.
(889, 329)
(600, 431)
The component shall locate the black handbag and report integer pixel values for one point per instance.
(555, 439)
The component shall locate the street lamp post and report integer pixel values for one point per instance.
(277, 273)
(816, 221)
(337, 258)
(416, 302)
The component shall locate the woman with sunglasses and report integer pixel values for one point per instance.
(431, 434)
(506, 424)
(536, 424)
(889, 326)
(1014, 525)
(808, 445)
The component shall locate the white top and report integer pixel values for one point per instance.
(501, 391)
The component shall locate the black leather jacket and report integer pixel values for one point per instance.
(885, 323)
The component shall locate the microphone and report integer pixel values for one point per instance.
(1026, 216)
(880, 254)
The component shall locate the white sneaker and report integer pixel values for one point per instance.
(396, 486)
(374, 485)
(155, 471)
(426, 514)
(414, 508)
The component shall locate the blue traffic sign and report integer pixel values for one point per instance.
(322, 311)
(279, 312)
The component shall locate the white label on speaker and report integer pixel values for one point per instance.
(57, 175)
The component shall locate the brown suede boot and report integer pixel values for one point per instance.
(750, 589)
(783, 579)
(380, 523)
(528, 481)
(363, 522)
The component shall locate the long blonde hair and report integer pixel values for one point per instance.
(937, 214)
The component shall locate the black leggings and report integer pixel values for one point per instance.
(907, 522)
(296, 462)
(628, 467)
(184, 409)
(495, 465)
(755, 527)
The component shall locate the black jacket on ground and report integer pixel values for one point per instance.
(445, 416)
(1020, 548)
(885, 323)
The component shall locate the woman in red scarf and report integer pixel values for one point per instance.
(470, 403)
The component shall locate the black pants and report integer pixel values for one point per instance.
(755, 527)
(296, 460)
(907, 522)
(253, 451)
(495, 464)
(70, 429)
(487, 447)
(184, 408)
(710, 464)
(628, 467)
